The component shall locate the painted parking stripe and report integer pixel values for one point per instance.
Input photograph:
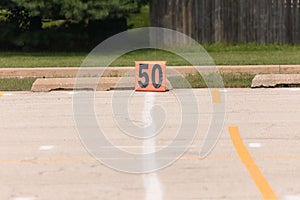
(141, 147)
(72, 92)
(216, 96)
(254, 145)
(152, 184)
(292, 197)
(258, 178)
(46, 148)
(25, 198)
(293, 89)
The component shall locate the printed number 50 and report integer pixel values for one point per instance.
(143, 69)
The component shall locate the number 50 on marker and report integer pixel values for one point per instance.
(150, 76)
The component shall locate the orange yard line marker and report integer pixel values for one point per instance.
(257, 176)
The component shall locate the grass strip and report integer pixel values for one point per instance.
(43, 59)
(222, 54)
(230, 80)
(16, 84)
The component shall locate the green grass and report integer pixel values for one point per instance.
(230, 80)
(273, 57)
(253, 54)
(28, 60)
(221, 47)
(249, 54)
(195, 81)
(224, 55)
(149, 54)
(16, 84)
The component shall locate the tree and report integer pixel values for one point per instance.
(80, 15)
(79, 10)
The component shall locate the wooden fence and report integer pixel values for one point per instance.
(230, 21)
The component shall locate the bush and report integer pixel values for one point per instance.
(67, 37)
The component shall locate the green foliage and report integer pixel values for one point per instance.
(83, 23)
(78, 10)
(138, 20)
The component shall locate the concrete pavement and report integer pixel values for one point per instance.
(42, 157)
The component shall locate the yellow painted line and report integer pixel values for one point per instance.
(1, 94)
(216, 96)
(251, 166)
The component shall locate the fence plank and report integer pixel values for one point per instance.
(231, 21)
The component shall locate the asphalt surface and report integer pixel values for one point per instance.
(42, 156)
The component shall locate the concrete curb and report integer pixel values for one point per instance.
(121, 71)
(272, 80)
(49, 84)
(102, 84)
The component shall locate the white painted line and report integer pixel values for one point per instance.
(46, 148)
(223, 90)
(153, 187)
(151, 181)
(293, 89)
(291, 197)
(140, 147)
(25, 198)
(73, 92)
(7, 94)
(255, 145)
